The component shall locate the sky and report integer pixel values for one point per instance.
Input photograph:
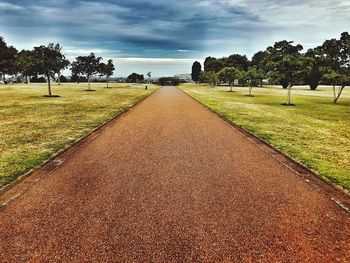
(165, 36)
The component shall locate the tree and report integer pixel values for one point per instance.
(290, 69)
(134, 77)
(26, 64)
(315, 75)
(196, 70)
(62, 63)
(149, 75)
(210, 77)
(7, 59)
(213, 64)
(278, 55)
(237, 61)
(254, 76)
(228, 75)
(47, 62)
(337, 69)
(87, 66)
(259, 61)
(242, 78)
(107, 69)
(172, 81)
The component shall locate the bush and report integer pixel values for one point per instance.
(168, 81)
(38, 80)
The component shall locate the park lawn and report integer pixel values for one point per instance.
(33, 128)
(315, 131)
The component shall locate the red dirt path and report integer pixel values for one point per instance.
(170, 182)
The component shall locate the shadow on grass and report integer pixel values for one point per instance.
(51, 96)
(286, 104)
(90, 90)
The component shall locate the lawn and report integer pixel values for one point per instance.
(33, 128)
(315, 131)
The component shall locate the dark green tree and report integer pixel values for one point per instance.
(26, 64)
(229, 75)
(107, 70)
(47, 62)
(238, 61)
(134, 77)
(277, 56)
(87, 66)
(196, 70)
(8, 54)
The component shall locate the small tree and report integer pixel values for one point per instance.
(229, 75)
(242, 78)
(62, 63)
(87, 66)
(107, 70)
(196, 70)
(254, 77)
(7, 59)
(290, 69)
(134, 77)
(26, 64)
(47, 61)
(149, 75)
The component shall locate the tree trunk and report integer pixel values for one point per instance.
(4, 78)
(289, 93)
(230, 87)
(334, 94)
(107, 82)
(49, 85)
(250, 90)
(59, 78)
(338, 95)
(28, 80)
(89, 82)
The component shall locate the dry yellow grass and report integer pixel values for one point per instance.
(33, 128)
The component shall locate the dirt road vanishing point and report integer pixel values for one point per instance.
(170, 182)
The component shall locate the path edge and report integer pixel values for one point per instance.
(337, 194)
(86, 138)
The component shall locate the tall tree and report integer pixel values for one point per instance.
(238, 61)
(196, 70)
(26, 64)
(62, 64)
(107, 70)
(281, 51)
(213, 64)
(315, 75)
(47, 62)
(8, 55)
(87, 66)
(228, 75)
(337, 69)
(254, 76)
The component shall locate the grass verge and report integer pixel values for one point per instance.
(315, 131)
(33, 128)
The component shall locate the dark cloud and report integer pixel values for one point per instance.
(170, 29)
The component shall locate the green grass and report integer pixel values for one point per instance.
(315, 131)
(33, 128)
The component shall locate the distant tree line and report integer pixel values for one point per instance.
(284, 64)
(43, 63)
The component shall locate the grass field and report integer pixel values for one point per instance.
(33, 128)
(315, 131)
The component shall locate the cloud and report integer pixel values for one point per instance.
(4, 6)
(183, 29)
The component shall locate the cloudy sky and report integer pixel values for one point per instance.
(165, 37)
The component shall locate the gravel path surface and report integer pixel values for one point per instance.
(170, 182)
